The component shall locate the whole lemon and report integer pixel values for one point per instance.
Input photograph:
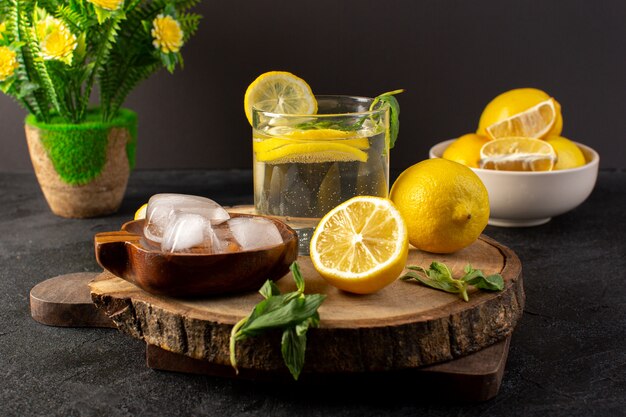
(444, 204)
(568, 154)
(466, 149)
(516, 101)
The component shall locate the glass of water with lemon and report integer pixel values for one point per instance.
(311, 153)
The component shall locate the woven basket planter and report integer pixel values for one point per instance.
(83, 169)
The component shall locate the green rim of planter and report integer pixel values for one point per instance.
(78, 151)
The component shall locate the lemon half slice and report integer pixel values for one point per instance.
(361, 245)
(280, 92)
(536, 122)
(517, 154)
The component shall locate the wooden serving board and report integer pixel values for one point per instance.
(402, 327)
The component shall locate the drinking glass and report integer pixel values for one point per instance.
(305, 165)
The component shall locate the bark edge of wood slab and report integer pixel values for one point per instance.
(403, 326)
(475, 377)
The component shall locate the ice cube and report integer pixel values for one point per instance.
(254, 232)
(161, 205)
(184, 231)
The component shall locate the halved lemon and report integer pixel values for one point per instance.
(536, 122)
(141, 212)
(517, 154)
(279, 92)
(361, 245)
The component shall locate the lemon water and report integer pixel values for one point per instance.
(301, 179)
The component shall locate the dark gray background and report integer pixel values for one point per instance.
(452, 57)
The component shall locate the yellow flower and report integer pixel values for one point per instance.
(167, 34)
(3, 28)
(110, 5)
(55, 40)
(8, 63)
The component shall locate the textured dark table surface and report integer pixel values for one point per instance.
(567, 357)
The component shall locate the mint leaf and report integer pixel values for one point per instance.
(293, 313)
(394, 113)
(440, 277)
(269, 289)
(293, 347)
(490, 283)
(297, 276)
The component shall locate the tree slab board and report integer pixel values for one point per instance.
(403, 327)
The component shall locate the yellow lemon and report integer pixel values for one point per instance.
(141, 212)
(279, 92)
(466, 149)
(445, 205)
(516, 101)
(361, 245)
(568, 154)
(517, 154)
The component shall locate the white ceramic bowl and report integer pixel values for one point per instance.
(519, 199)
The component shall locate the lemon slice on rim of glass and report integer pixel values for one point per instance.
(279, 92)
(517, 154)
(361, 245)
(536, 122)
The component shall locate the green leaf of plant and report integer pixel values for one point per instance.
(430, 282)
(293, 348)
(269, 289)
(394, 113)
(440, 271)
(297, 276)
(295, 311)
(491, 283)
(473, 276)
(440, 277)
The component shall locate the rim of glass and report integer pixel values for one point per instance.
(382, 108)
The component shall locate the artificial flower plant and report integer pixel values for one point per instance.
(53, 52)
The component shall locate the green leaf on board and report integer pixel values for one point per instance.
(293, 313)
(439, 276)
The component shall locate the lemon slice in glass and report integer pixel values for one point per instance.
(361, 245)
(517, 154)
(280, 92)
(536, 122)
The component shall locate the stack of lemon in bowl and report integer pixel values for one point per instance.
(531, 172)
(519, 130)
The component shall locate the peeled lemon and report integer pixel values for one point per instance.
(536, 122)
(361, 245)
(516, 101)
(444, 204)
(279, 92)
(517, 154)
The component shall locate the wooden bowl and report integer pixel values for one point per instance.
(130, 256)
